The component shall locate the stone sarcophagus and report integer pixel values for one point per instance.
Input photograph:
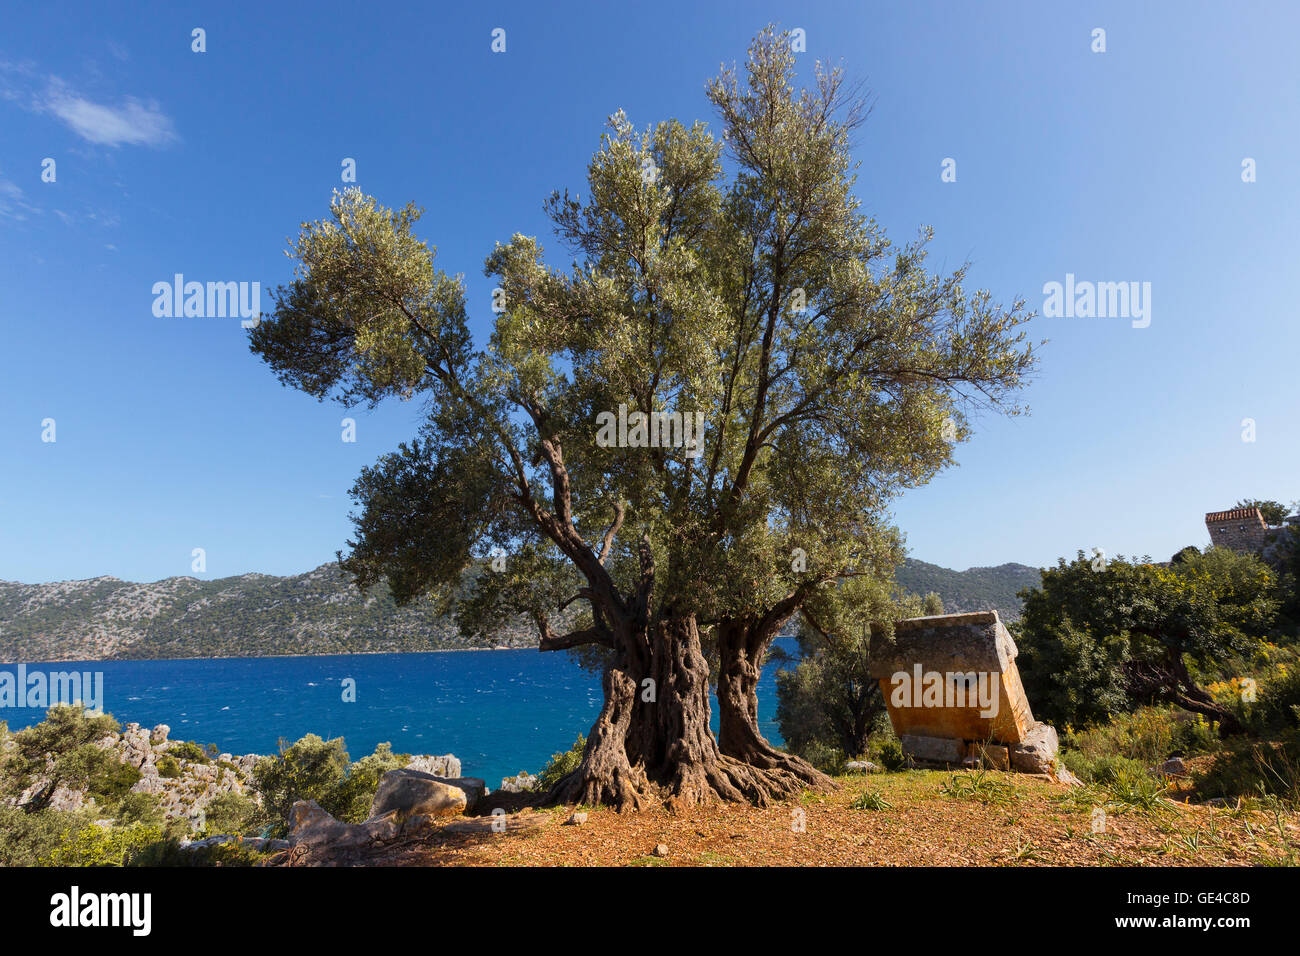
(954, 695)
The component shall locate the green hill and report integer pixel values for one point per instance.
(319, 612)
(252, 615)
(975, 589)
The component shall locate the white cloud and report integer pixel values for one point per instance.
(134, 123)
(13, 202)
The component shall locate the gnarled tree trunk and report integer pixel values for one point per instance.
(646, 745)
(741, 648)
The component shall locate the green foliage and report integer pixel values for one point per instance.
(1135, 788)
(975, 589)
(827, 758)
(168, 766)
(755, 292)
(310, 769)
(320, 770)
(95, 845)
(28, 839)
(60, 750)
(1148, 735)
(1277, 704)
(870, 800)
(144, 808)
(830, 702)
(981, 786)
(1254, 768)
(231, 813)
(561, 764)
(352, 798)
(169, 852)
(113, 782)
(889, 754)
(1273, 512)
(188, 750)
(1100, 640)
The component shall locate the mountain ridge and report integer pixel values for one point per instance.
(317, 612)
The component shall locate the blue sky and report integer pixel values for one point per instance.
(1117, 166)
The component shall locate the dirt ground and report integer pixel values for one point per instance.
(922, 818)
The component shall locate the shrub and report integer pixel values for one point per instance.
(28, 839)
(188, 750)
(168, 767)
(1277, 706)
(316, 769)
(561, 764)
(231, 813)
(890, 754)
(96, 845)
(1252, 768)
(169, 852)
(310, 769)
(139, 808)
(1148, 735)
(355, 793)
(113, 783)
(824, 756)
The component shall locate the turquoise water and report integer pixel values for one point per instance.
(498, 711)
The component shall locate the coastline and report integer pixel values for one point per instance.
(252, 657)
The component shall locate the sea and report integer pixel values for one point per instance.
(499, 711)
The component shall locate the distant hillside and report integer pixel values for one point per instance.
(252, 615)
(975, 589)
(320, 612)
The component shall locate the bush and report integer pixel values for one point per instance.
(824, 756)
(889, 754)
(355, 793)
(561, 764)
(1149, 735)
(188, 750)
(139, 808)
(28, 839)
(95, 845)
(169, 852)
(168, 767)
(1277, 707)
(311, 769)
(231, 813)
(1101, 769)
(113, 783)
(316, 769)
(1251, 768)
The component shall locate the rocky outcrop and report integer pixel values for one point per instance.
(448, 765)
(407, 802)
(521, 782)
(412, 793)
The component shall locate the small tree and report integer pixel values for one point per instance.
(59, 751)
(1100, 638)
(830, 698)
(1273, 512)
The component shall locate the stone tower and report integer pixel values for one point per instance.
(1241, 529)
